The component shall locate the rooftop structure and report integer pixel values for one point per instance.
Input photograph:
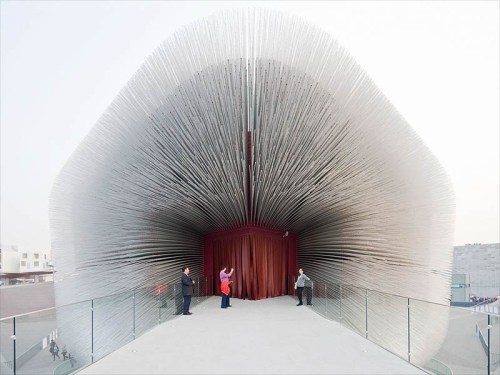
(253, 137)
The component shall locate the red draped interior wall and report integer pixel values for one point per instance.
(262, 259)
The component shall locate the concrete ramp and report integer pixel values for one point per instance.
(271, 336)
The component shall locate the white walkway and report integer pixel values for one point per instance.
(270, 336)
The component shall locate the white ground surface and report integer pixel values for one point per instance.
(270, 336)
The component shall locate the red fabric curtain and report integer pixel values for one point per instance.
(260, 265)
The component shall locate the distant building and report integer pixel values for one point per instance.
(481, 265)
(29, 261)
(460, 288)
(18, 265)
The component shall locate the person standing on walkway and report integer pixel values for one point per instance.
(54, 349)
(224, 288)
(187, 290)
(299, 285)
(224, 283)
(64, 352)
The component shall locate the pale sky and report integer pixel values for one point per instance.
(62, 64)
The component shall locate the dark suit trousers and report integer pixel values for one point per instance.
(299, 293)
(187, 302)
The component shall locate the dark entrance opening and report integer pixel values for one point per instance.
(264, 261)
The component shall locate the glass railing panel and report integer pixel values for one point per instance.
(318, 298)
(209, 290)
(6, 346)
(113, 323)
(74, 337)
(443, 338)
(53, 341)
(333, 302)
(167, 303)
(34, 333)
(196, 299)
(323, 300)
(494, 343)
(353, 314)
(147, 309)
(387, 322)
(85, 332)
(177, 298)
(203, 288)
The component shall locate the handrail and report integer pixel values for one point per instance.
(171, 283)
(357, 293)
(91, 299)
(31, 312)
(397, 295)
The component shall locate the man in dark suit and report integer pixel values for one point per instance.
(187, 290)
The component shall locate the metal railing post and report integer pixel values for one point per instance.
(159, 304)
(92, 331)
(133, 315)
(174, 303)
(340, 301)
(326, 300)
(489, 343)
(366, 313)
(14, 343)
(409, 341)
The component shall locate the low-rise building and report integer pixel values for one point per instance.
(481, 264)
(18, 265)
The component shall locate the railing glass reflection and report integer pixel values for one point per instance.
(25, 340)
(468, 343)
